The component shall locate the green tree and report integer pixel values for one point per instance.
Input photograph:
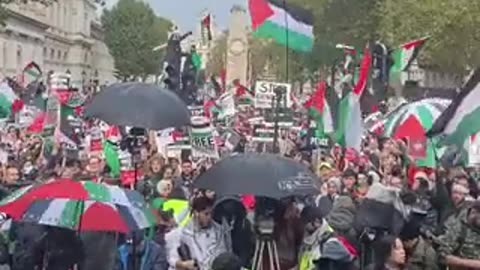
(218, 55)
(451, 24)
(132, 30)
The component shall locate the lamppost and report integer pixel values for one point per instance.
(84, 78)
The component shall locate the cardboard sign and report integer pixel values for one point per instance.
(265, 95)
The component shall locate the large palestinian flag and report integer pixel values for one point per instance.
(462, 118)
(285, 24)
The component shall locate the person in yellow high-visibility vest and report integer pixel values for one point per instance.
(181, 210)
(317, 230)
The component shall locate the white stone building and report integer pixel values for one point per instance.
(65, 36)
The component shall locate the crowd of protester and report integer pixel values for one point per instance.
(219, 233)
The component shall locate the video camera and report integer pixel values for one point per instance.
(264, 221)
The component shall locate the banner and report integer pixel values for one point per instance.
(227, 103)
(202, 138)
(262, 134)
(52, 117)
(474, 150)
(266, 94)
(285, 118)
(196, 111)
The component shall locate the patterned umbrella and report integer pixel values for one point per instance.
(88, 215)
(425, 111)
(413, 120)
(54, 204)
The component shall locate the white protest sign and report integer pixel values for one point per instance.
(474, 150)
(265, 94)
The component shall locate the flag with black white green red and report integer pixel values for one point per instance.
(286, 24)
(319, 110)
(263, 134)
(349, 116)
(462, 118)
(202, 138)
(206, 28)
(404, 56)
(7, 100)
(31, 72)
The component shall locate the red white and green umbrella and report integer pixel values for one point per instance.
(58, 198)
(424, 111)
(88, 215)
(412, 121)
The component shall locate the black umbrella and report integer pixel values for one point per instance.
(139, 105)
(258, 174)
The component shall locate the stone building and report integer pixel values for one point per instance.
(65, 36)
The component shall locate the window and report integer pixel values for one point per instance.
(85, 27)
(44, 52)
(59, 55)
(52, 53)
(65, 56)
(65, 20)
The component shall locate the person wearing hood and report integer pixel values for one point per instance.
(317, 231)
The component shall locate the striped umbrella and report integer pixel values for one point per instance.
(88, 215)
(67, 193)
(425, 111)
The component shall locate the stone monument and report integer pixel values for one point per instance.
(237, 46)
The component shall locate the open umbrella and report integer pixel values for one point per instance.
(138, 105)
(79, 205)
(258, 174)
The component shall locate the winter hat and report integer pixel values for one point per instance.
(310, 214)
(226, 261)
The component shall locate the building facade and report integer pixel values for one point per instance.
(65, 36)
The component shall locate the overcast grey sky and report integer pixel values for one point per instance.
(186, 13)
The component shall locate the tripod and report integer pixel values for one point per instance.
(265, 240)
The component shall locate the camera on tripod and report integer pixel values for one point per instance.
(265, 217)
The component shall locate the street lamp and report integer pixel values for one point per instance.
(84, 77)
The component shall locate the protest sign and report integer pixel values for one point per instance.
(265, 95)
(202, 138)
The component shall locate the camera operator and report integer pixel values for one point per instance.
(200, 241)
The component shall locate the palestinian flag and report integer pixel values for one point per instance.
(404, 56)
(285, 24)
(319, 110)
(206, 29)
(242, 93)
(462, 118)
(349, 118)
(9, 101)
(31, 72)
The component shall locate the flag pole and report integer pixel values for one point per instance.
(279, 91)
